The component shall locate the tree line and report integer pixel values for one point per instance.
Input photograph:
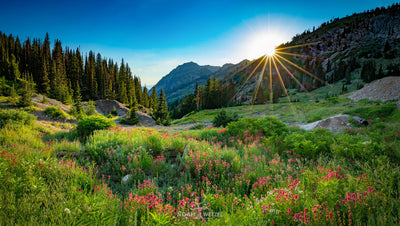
(60, 73)
(214, 94)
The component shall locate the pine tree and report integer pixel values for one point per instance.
(14, 69)
(138, 90)
(161, 114)
(368, 71)
(78, 109)
(25, 100)
(197, 96)
(153, 103)
(145, 98)
(122, 97)
(13, 95)
(134, 104)
(45, 86)
(91, 108)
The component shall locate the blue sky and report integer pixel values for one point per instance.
(155, 36)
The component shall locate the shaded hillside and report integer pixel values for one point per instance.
(182, 80)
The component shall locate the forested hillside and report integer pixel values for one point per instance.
(59, 72)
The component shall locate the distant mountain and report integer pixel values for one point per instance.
(182, 80)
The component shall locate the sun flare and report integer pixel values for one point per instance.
(263, 44)
(270, 51)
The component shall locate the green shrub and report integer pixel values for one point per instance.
(356, 147)
(91, 108)
(55, 112)
(87, 125)
(25, 99)
(310, 144)
(373, 112)
(11, 115)
(314, 118)
(114, 112)
(45, 100)
(31, 108)
(132, 119)
(154, 144)
(333, 100)
(197, 126)
(223, 118)
(267, 126)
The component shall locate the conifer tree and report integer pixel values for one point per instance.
(138, 90)
(13, 95)
(91, 108)
(78, 109)
(197, 96)
(145, 98)
(25, 100)
(14, 69)
(122, 97)
(134, 104)
(161, 114)
(45, 86)
(153, 103)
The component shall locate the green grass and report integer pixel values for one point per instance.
(310, 107)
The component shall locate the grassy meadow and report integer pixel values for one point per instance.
(256, 171)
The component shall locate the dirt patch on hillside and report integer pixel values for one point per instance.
(41, 116)
(383, 89)
(106, 106)
(37, 100)
(145, 120)
(335, 124)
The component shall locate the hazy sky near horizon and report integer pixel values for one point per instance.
(155, 36)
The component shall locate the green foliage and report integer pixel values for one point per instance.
(132, 119)
(25, 100)
(267, 126)
(161, 115)
(351, 147)
(91, 108)
(376, 112)
(314, 118)
(45, 100)
(13, 99)
(368, 72)
(87, 125)
(77, 109)
(56, 112)
(31, 108)
(223, 118)
(14, 116)
(311, 144)
(114, 112)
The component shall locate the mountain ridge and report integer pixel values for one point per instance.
(182, 79)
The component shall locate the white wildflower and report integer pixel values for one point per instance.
(67, 210)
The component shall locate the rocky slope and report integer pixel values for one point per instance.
(383, 89)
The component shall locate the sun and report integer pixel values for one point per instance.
(263, 43)
(270, 50)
